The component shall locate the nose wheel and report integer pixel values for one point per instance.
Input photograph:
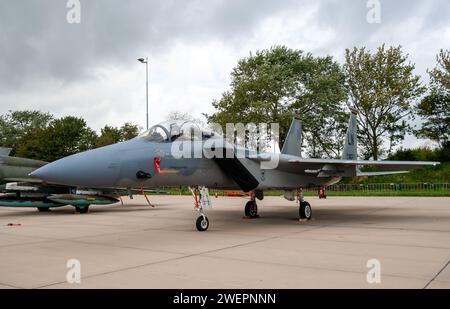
(202, 223)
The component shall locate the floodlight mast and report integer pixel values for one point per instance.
(145, 61)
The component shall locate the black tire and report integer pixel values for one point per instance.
(305, 211)
(44, 209)
(251, 209)
(82, 209)
(202, 224)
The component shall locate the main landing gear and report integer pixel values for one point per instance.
(82, 209)
(201, 196)
(251, 208)
(305, 210)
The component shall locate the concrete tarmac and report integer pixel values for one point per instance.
(136, 246)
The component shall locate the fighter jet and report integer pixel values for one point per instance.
(208, 160)
(17, 189)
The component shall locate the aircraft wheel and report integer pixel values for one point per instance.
(44, 209)
(305, 211)
(82, 209)
(251, 209)
(202, 224)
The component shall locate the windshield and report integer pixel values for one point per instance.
(155, 134)
(173, 130)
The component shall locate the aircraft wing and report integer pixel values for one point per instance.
(348, 166)
(330, 167)
(383, 165)
(333, 167)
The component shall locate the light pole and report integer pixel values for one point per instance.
(142, 60)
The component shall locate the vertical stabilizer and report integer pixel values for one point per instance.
(293, 143)
(350, 151)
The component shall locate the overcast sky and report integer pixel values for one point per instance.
(90, 69)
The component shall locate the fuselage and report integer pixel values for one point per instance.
(132, 164)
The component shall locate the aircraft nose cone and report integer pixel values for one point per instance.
(97, 168)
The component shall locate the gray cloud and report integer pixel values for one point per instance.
(352, 28)
(48, 64)
(36, 41)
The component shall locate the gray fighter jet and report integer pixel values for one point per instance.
(208, 160)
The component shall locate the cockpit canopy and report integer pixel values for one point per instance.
(172, 130)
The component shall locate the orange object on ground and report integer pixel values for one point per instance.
(322, 194)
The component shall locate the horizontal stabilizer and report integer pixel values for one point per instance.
(370, 174)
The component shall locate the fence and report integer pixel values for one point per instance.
(389, 187)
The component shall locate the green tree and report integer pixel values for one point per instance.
(435, 107)
(129, 131)
(383, 88)
(14, 126)
(440, 75)
(277, 84)
(63, 137)
(111, 135)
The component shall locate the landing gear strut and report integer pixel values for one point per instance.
(305, 210)
(201, 197)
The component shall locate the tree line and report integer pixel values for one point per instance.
(39, 135)
(273, 86)
(276, 84)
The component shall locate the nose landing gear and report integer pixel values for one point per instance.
(201, 197)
